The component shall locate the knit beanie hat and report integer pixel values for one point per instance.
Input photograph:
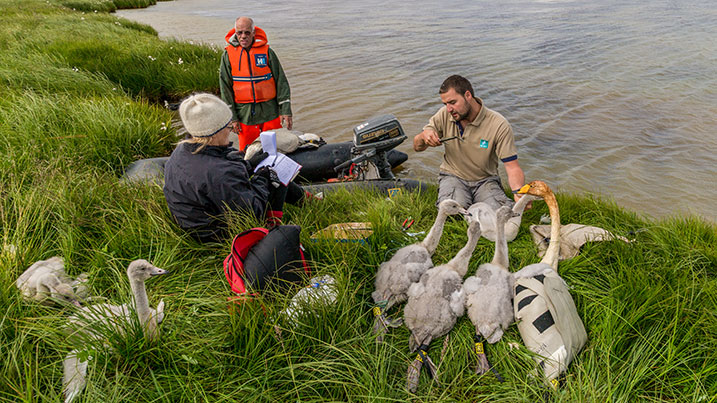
(204, 115)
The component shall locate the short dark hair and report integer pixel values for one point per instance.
(458, 83)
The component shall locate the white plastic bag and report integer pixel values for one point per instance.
(320, 292)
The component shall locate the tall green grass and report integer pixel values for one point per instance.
(105, 5)
(75, 110)
(41, 38)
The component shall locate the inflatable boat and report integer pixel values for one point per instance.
(364, 163)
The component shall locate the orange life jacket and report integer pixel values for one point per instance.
(253, 81)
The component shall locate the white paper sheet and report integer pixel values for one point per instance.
(268, 142)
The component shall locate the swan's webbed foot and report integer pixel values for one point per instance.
(483, 365)
(381, 323)
(379, 328)
(414, 369)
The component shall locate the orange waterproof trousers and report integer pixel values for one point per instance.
(249, 133)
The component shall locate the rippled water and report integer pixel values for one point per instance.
(614, 98)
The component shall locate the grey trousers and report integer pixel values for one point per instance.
(488, 190)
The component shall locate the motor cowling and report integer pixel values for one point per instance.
(372, 140)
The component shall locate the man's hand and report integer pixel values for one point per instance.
(236, 126)
(287, 122)
(425, 139)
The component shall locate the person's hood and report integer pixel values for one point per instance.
(260, 38)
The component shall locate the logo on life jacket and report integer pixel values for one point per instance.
(260, 60)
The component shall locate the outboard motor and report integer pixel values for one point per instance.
(372, 141)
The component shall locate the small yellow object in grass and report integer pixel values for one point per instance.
(479, 348)
(418, 357)
(345, 232)
(376, 311)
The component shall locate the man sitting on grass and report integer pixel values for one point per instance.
(475, 139)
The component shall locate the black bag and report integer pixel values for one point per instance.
(260, 257)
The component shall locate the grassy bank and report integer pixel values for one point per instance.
(78, 104)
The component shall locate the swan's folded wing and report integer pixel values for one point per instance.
(457, 302)
(159, 313)
(74, 375)
(471, 285)
(565, 314)
(449, 285)
(93, 319)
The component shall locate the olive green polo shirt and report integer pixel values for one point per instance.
(486, 140)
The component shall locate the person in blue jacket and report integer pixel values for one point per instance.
(205, 177)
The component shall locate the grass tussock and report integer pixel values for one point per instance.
(76, 110)
(106, 6)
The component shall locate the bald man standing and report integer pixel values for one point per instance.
(253, 83)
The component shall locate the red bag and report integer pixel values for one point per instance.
(259, 257)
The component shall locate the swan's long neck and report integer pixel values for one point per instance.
(519, 206)
(434, 235)
(141, 306)
(459, 263)
(553, 252)
(500, 258)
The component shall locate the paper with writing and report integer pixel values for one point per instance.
(286, 168)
